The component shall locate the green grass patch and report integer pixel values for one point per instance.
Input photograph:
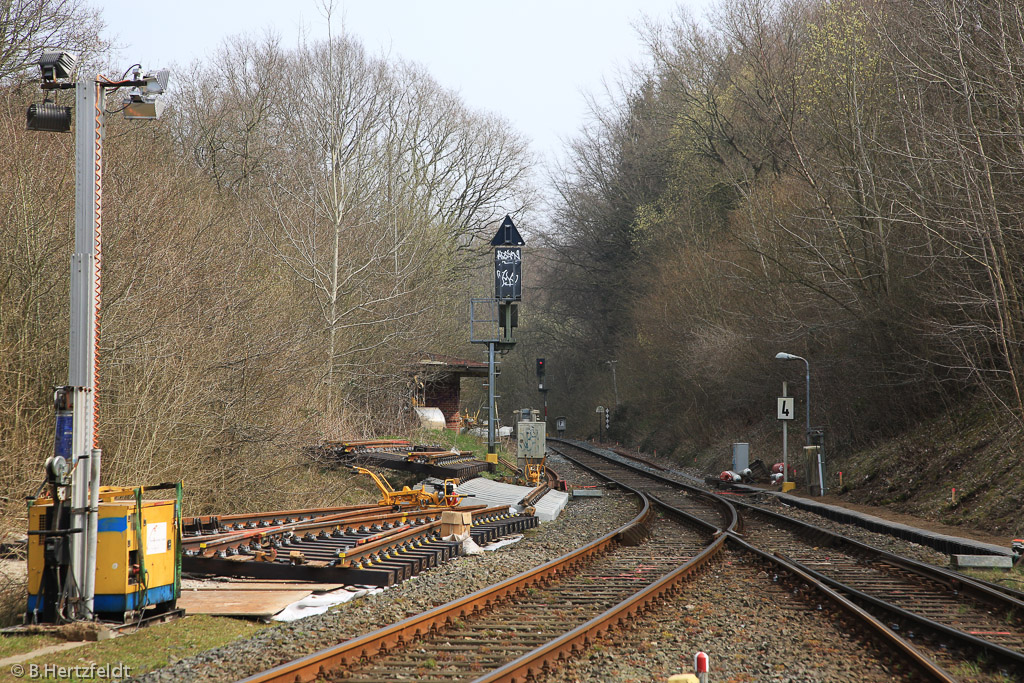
(143, 650)
(464, 442)
(1013, 578)
(11, 645)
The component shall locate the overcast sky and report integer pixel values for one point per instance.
(531, 60)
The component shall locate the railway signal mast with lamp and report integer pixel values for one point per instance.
(492, 320)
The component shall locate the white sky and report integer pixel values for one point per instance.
(533, 61)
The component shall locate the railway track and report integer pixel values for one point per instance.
(490, 639)
(955, 611)
(690, 500)
(526, 624)
(959, 623)
(522, 627)
(369, 545)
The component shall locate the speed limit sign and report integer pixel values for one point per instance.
(786, 407)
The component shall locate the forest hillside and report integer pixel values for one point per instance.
(838, 180)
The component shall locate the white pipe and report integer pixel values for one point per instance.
(79, 500)
(91, 532)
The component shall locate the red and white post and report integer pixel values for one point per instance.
(701, 665)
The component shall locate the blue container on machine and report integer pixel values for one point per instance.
(62, 438)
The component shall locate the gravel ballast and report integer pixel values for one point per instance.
(583, 520)
(752, 628)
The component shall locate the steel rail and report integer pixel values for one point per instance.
(534, 496)
(973, 641)
(227, 538)
(301, 515)
(308, 668)
(363, 556)
(423, 520)
(230, 539)
(637, 458)
(921, 661)
(532, 664)
(980, 591)
(735, 522)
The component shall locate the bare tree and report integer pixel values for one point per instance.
(27, 27)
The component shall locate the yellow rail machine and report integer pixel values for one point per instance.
(138, 555)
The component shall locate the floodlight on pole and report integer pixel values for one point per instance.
(143, 101)
(56, 65)
(48, 117)
(76, 464)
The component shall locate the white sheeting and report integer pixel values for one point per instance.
(318, 604)
(494, 493)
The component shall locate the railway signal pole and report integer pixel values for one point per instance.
(492, 320)
(542, 387)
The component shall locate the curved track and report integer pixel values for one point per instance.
(557, 609)
(519, 628)
(955, 609)
(958, 622)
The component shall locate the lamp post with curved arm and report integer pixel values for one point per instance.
(790, 356)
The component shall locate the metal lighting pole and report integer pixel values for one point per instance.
(790, 356)
(84, 333)
(84, 330)
(615, 384)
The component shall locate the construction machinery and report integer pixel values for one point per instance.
(137, 559)
(443, 497)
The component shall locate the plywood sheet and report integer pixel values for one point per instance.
(239, 603)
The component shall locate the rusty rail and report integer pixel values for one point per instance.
(419, 519)
(512, 467)
(310, 667)
(921, 661)
(532, 665)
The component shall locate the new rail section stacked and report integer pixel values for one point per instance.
(521, 627)
(369, 545)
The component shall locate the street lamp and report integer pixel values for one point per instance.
(615, 384)
(790, 356)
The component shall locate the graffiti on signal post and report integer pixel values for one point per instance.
(508, 274)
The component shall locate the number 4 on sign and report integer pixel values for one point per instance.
(786, 407)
